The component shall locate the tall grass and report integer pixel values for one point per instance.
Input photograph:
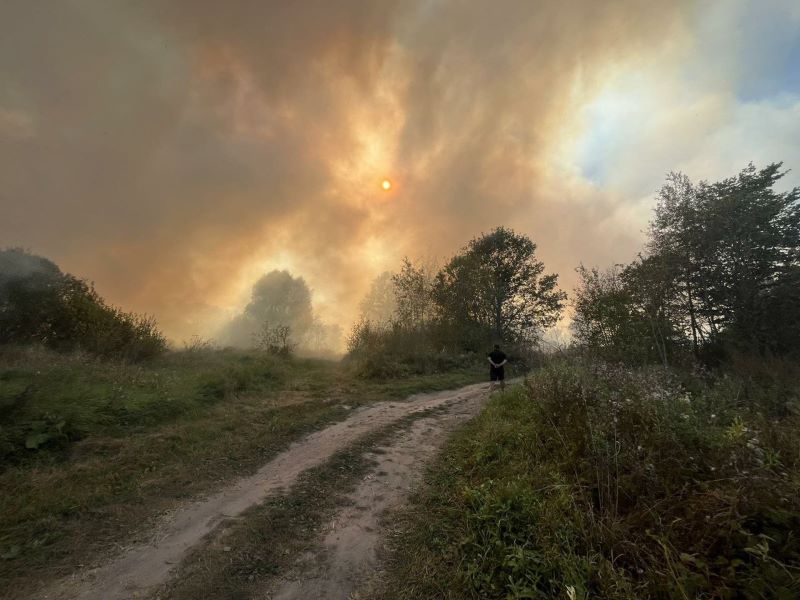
(604, 482)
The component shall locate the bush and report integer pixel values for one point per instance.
(385, 352)
(41, 305)
(649, 487)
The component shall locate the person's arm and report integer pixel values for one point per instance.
(505, 360)
(489, 358)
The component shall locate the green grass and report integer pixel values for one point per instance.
(92, 452)
(607, 483)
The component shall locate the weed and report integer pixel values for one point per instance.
(604, 482)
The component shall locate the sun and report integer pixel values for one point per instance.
(386, 185)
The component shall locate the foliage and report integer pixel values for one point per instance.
(603, 482)
(494, 290)
(281, 303)
(41, 305)
(380, 303)
(383, 353)
(414, 300)
(277, 300)
(720, 274)
(621, 314)
(497, 283)
(275, 339)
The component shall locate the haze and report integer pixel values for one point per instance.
(174, 152)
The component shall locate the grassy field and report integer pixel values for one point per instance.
(601, 482)
(94, 451)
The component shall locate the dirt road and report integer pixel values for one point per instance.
(348, 549)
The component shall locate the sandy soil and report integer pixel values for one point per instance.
(346, 556)
(139, 569)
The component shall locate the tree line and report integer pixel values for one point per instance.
(719, 274)
(39, 304)
(420, 319)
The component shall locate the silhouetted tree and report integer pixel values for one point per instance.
(277, 300)
(730, 248)
(413, 287)
(40, 304)
(496, 283)
(379, 305)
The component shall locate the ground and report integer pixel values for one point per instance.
(213, 500)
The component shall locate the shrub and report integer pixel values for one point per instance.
(41, 305)
(384, 352)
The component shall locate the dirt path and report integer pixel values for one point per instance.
(141, 568)
(346, 556)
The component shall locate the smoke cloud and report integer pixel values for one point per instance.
(175, 152)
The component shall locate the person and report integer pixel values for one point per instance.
(497, 361)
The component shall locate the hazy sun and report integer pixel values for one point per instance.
(386, 184)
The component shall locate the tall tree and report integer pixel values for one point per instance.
(413, 288)
(277, 300)
(379, 305)
(498, 284)
(727, 246)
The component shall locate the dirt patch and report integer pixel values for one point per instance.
(346, 557)
(139, 569)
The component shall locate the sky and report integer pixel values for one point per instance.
(174, 152)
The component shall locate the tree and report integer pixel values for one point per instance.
(497, 284)
(277, 300)
(39, 304)
(379, 305)
(721, 270)
(729, 247)
(621, 313)
(413, 288)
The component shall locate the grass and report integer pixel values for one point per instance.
(601, 482)
(92, 452)
(250, 551)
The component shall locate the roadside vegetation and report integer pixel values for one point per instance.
(612, 483)
(659, 455)
(94, 450)
(425, 320)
